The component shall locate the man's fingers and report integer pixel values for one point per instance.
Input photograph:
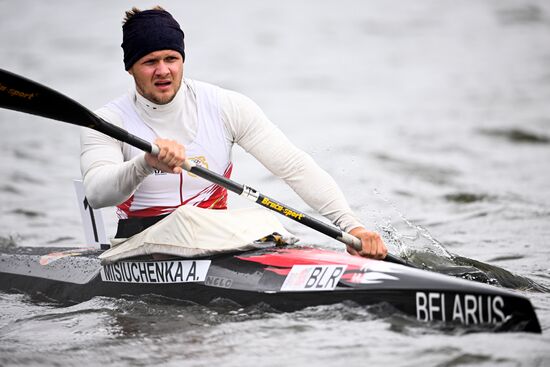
(369, 246)
(172, 160)
(171, 156)
(374, 248)
(372, 244)
(351, 250)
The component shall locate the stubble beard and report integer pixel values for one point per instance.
(160, 98)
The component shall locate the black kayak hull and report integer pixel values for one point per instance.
(286, 279)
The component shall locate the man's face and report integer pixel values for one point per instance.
(158, 75)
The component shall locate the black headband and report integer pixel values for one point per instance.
(149, 31)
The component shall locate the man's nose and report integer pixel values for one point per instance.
(162, 68)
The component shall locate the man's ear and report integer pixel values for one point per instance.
(130, 72)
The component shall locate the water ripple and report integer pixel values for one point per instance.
(516, 135)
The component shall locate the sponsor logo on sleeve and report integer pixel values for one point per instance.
(183, 271)
(467, 309)
(313, 277)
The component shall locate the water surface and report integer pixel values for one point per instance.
(433, 117)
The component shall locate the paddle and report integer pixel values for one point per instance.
(24, 95)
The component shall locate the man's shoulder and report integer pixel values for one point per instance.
(110, 112)
(196, 85)
(113, 109)
(227, 96)
(118, 101)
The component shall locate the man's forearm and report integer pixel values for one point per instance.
(108, 180)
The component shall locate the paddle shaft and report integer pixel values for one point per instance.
(272, 204)
(269, 203)
(24, 95)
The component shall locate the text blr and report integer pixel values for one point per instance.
(313, 277)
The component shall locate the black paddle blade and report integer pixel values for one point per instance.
(21, 94)
(24, 95)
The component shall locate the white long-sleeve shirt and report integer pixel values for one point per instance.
(109, 180)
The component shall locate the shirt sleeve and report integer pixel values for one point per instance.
(108, 180)
(257, 135)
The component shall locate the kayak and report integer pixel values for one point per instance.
(286, 278)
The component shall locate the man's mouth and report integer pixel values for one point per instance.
(162, 83)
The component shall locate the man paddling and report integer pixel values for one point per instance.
(188, 119)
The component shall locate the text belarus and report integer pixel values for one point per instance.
(464, 308)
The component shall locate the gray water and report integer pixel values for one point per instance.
(432, 116)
